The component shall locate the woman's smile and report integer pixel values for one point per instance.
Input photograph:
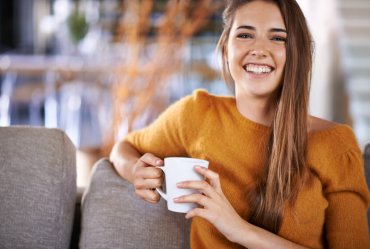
(257, 70)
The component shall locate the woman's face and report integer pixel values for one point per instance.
(256, 49)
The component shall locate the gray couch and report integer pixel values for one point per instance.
(38, 207)
(113, 217)
(367, 173)
(37, 188)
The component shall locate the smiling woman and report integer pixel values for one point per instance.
(277, 177)
(258, 34)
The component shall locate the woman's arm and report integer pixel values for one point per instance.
(255, 237)
(138, 169)
(217, 210)
(124, 157)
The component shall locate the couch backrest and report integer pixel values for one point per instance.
(37, 188)
(114, 217)
(367, 163)
(367, 173)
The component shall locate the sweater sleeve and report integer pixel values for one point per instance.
(348, 197)
(169, 134)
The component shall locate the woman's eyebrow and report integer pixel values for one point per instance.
(278, 30)
(253, 28)
(246, 27)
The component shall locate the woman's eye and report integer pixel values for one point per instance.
(279, 38)
(245, 36)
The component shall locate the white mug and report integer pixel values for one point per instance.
(179, 169)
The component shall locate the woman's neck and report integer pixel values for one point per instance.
(259, 111)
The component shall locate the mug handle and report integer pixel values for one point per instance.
(160, 190)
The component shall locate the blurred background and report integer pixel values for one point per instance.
(100, 68)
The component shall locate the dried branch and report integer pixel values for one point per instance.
(152, 57)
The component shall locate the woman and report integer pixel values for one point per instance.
(278, 178)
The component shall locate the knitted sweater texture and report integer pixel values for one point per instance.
(330, 212)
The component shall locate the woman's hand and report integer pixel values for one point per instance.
(214, 206)
(218, 211)
(147, 177)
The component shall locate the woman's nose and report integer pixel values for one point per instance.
(259, 53)
(259, 48)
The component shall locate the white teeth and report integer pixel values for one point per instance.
(258, 69)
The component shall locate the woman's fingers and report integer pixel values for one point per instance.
(148, 195)
(193, 198)
(141, 183)
(148, 172)
(151, 160)
(213, 177)
(213, 204)
(202, 186)
(210, 197)
(147, 177)
(209, 209)
(200, 212)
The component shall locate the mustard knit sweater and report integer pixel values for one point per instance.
(329, 213)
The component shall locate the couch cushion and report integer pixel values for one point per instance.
(37, 188)
(113, 217)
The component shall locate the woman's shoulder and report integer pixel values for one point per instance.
(330, 138)
(204, 95)
(322, 127)
(318, 124)
(202, 99)
(335, 157)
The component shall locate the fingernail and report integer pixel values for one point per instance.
(158, 162)
(176, 199)
(179, 184)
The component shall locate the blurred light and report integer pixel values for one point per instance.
(4, 63)
(48, 25)
(74, 103)
(62, 8)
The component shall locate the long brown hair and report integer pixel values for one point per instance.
(285, 169)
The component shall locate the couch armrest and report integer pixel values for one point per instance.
(113, 217)
(367, 174)
(37, 188)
